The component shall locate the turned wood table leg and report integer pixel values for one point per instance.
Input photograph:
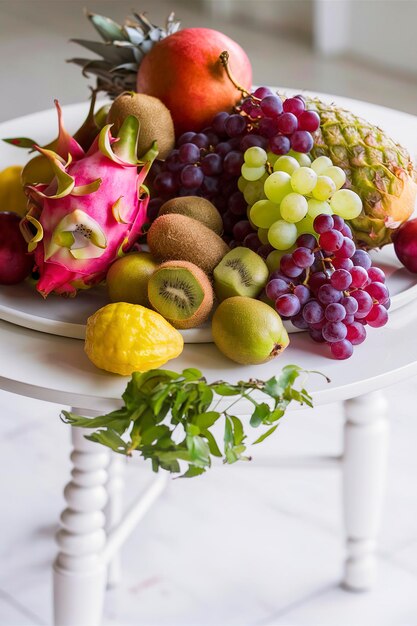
(79, 570)
(114, 510)
(364, 470)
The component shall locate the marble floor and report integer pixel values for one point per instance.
(248, 545)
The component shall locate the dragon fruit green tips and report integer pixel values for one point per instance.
(92, 212)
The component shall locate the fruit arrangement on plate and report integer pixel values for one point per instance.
(195, 199)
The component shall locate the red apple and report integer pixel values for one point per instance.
(184, 71)
(405, 244)
(15, 262)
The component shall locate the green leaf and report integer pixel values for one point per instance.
(110, 439)
(260, 413)
(192, 430)
(212, 443)
(238, 434)
(223, 389)
(266, 434)
(154, 433)
(191, 373)
(192, 471)
(117, 420)
(205, 420)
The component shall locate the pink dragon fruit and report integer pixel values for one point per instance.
(92, 212)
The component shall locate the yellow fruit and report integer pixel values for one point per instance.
(12, 197)
(123, 338)
(128, 277)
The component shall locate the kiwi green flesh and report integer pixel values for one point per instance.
(233, 277)
(175, 293)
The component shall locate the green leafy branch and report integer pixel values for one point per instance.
(168, 417)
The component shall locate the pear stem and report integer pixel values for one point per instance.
(224, 59)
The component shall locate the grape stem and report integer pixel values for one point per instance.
(224, 59)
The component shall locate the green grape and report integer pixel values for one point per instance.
(317, 207)
(253, 191)
(263, 235)
(337, 175)
(293, 207)
(252, 173)
(282, 235)
(272, 157)
(324, 188)
(264, 213)
(320, 164)
(241, 184)
(255, 156)
(274, 258)
(303, 180)
(286, 164)
(277, 186)
(346, 203)
(303, 159)
(306, 226)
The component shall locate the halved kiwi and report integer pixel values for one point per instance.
(241, 272)
(182, 293)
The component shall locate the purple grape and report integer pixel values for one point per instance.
(153, 208)
(335, 312)
(309, 120)
(350, 305)
(327, 294)
(376, 275)
(287, 123)
(356, 333)
(212, 164)
(316, 335)
(237, 203)
(265, 250)
(317, 280)
(301, 141)
(218, 123)
(189, 153)
(296, 106)
(341, 279)
(241, 229)
(364, 301)
(338, 222)
(165, 184)
(347, 249)
(201, 140)
(303, 293)
(303, 257)
(299, 321)
(247, 105)
(276, 287)
(318, 325)
(289, 268)
(359, 276)
(341, 349)
(191, 177)
(262, 92)
(268, 127)
(233, 162)
(323, 223)
(334, 331)
(331, 240)
(235, 125)
(223, 148)
(173, 162)
(287, 305)
(252, 140)
(362, 259)
(256, 112)
(210, 186)
(346, 231)
(211, 136)
(349, 319)
(186, 138)
(377, 316)
(378, 292)
(313, 312)
(306, 241)
(252, 241)
(342, 264)
(272, 106)
(279, 144)
(387, 304)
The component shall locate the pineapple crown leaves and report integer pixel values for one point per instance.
(122, 49)
(168, 417)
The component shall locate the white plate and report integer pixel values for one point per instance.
(21, 305)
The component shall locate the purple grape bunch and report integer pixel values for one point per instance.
(208, 163)
(330, 288)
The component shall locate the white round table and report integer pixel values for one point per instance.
(55, 369)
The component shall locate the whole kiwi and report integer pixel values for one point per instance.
(182, 293)
(198, 208)
(155, 121)
(178, 237)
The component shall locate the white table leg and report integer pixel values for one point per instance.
(364, 470)
(79, 570)
(114, 510)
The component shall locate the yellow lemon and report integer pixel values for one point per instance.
(123, 338)
(12, 197)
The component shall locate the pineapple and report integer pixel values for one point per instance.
(122, 50)
(377, 168)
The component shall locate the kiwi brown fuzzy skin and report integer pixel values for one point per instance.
(178, 237)
(203, 311)
(198, 208)
(155, 121)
